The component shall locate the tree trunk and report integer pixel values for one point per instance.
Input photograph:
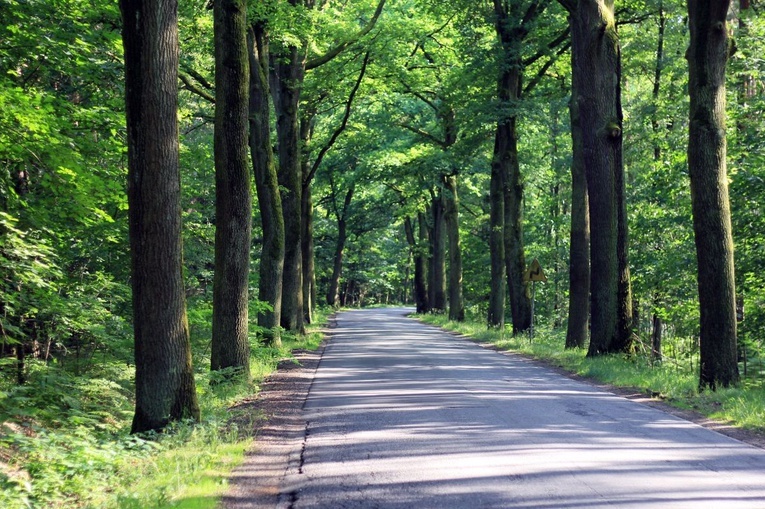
(579, 261)
(598, 94)
(424, 242)
(656, 338)
(452, 223)
(515, 257)
(708, 55)
(165, 389)
(420, 268)
(289, 72)
(333, 297)
(233, 201)
(267, 186)
(438, 256)
(498, 286)
(309, 268)
(511, 31)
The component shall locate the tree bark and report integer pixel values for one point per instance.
(165, 389)
(598, 94)
(289, 71)
(438, 256)
(579, 248)
(267, 186)
(233, 201)
(424, 242)
(452, 223)
(498, 286)
(333, 295)
(512, 28)
(420, 268)
(708, 54)
(309, 267)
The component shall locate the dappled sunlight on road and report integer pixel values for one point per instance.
(403, 415)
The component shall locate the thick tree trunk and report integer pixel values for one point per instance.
(267, 186)
(708, 55)
(452, 223)
(165, 389)
(579, 248)
(598, 95)
(233, 201)
(438, 256)
(289, 72)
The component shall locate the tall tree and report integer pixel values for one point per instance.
(233, 201)
(341, 214)
(451, 218)
(597, 81)
(579, 247)
(512, 24)
(289, 69)
(708, 53)
(266, 185)
(165, 389)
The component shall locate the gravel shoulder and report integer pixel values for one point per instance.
(279, 430)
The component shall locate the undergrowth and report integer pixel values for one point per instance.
(65, 441)
(674, 380)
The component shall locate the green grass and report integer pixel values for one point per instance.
(65, 442)
(675, 381)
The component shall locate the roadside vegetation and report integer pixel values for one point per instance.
(674, 379)
(65, 439)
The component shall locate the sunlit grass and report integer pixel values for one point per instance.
(675, 381)
(65, 443)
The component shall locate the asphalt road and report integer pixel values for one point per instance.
(402, 415)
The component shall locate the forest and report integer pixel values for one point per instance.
(188, 188)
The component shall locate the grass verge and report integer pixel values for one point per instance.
(65, 442)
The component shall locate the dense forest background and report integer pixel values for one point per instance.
(395, 147)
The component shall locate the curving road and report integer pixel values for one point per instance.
(403, 415)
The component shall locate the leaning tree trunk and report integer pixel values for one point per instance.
(164, 382)
(289, 71)
(438, 256)
(267, 186)
(233, 201)
(452, 223)
(579, 248)
(597, 82)
(708, 54)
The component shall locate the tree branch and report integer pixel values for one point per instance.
(194, 88)
(341, 127)
(328, 56)
(562, 37)
(540, 74)
(424, 134)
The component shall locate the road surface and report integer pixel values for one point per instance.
(403, 415)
